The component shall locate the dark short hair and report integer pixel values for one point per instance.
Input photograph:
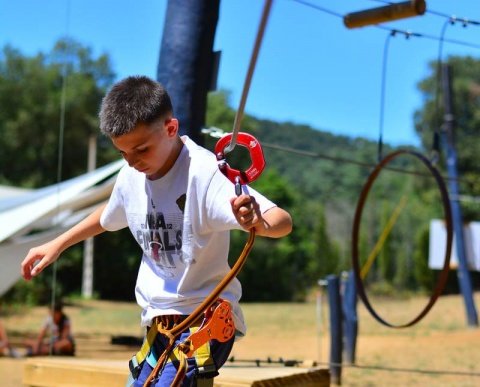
(133, 100)
(57, 306)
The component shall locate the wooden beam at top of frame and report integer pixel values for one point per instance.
(387, 13)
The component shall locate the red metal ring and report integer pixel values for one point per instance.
(256, 154)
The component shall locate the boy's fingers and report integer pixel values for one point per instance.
(38, 267)
(33, 264)
(26, 266)
(240, 201)
(245, 208)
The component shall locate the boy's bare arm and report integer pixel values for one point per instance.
(40, 337)
(274, 223)
(50, 251)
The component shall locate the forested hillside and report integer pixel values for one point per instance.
(315, 175)
(323, 175)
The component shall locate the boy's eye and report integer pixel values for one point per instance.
(142, 150)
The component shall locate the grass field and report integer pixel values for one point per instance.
(439, 351)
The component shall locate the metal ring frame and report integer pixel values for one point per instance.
(356, 227)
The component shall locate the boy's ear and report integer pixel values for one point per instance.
(172, 126)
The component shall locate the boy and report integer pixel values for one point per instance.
(178, 206)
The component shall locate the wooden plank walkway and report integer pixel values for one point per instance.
(76, 372)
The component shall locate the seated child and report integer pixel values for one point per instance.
(55, 337)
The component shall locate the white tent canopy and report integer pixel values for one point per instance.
(49, 211)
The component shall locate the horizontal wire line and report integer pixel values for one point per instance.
(404, 32)
(347, 161)
(405, 370)
(214, 132)
(259, 362)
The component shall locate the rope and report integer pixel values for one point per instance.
(246, 86)
(294, 363)
(401, 369)
(61, 132)
(259, 362)
(208, 302)
(383, 237)
(382, 95)
(195, 315)
(213, 296)
(216, 133)
(350, 161)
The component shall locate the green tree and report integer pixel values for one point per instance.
(466, 99)
(30, 95)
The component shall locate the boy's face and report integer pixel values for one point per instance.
(150, 148)
(57, 316)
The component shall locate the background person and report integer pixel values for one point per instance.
(4, 343)
(55, 337)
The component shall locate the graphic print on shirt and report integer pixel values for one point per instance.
(162, 239)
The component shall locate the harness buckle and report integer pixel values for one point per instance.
(135, 367)
(256, 154)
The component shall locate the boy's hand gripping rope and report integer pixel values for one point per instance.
(218, 322)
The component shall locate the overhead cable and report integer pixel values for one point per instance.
(406, 33)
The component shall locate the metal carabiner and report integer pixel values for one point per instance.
(256, 154)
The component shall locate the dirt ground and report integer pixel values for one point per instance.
(439, 351)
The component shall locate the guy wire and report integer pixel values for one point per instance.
(61, 132)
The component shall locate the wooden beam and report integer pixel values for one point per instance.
(75, 372)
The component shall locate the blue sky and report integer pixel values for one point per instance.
(311, 69)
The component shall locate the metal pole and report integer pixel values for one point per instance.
(336, 337)
(350, 319)
(186, 63)
(448, 126)
(87, 278)
(319, 306)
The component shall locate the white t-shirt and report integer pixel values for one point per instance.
(53, 329)
(182, 222)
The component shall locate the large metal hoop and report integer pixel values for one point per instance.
(442, 279)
